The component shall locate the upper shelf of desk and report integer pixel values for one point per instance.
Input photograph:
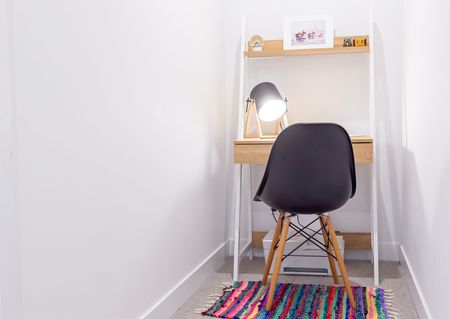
(274, 48)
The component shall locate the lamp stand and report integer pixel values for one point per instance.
(252, 112)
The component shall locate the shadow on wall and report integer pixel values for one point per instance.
(425, 218)
(388, 123)
(439, 235)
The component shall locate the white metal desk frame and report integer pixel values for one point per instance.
(238, 173)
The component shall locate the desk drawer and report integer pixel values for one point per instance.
(259, 153)
(363, 152)
(252, 153)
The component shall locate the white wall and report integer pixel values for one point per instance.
(9, 218)
(121, 149)
(426, 182)
(98, 94)
(344, 98)
(388, 60)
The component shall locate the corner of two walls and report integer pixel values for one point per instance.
(9, 218)
(426, 153)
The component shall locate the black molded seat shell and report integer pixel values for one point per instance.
(311, 170)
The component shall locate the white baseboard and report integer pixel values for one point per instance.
(416, 293)
(178, 295)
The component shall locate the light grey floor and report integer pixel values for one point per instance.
(392, 274)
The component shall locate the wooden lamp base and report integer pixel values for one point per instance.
(252, 112)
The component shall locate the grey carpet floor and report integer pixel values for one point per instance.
(393, 276)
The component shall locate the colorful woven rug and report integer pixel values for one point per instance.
(247, 299)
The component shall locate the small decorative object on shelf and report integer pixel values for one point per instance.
(360, 42)
(348, 42)
(354, 42)
(256, 42)
(313, 32)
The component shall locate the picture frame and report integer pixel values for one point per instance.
(313, 32)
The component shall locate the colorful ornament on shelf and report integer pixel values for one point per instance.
(360, 42)
(348, 42)
(256, 42)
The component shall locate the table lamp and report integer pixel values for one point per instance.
(265, 104)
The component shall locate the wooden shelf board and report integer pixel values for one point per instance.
(274, 48)
(264, 141)
(352, 240)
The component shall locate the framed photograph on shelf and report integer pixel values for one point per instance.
(313, 32)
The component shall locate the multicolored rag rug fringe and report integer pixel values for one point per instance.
(247, 299)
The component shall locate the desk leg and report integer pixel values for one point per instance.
(250, 212)
(376, 276)
(237, 217)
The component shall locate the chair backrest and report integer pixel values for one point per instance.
(311, 169)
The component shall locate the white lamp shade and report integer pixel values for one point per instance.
(269, 103)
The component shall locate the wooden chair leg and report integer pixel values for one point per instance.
(276, 269)
(329, 249)
(276, 236)
(337, 252)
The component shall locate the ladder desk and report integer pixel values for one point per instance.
(257, 151)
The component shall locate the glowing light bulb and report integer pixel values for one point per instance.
(272, 110)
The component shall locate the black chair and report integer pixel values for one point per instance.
(311, 170)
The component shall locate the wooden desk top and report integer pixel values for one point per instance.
(256, 151)
(258, 141)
